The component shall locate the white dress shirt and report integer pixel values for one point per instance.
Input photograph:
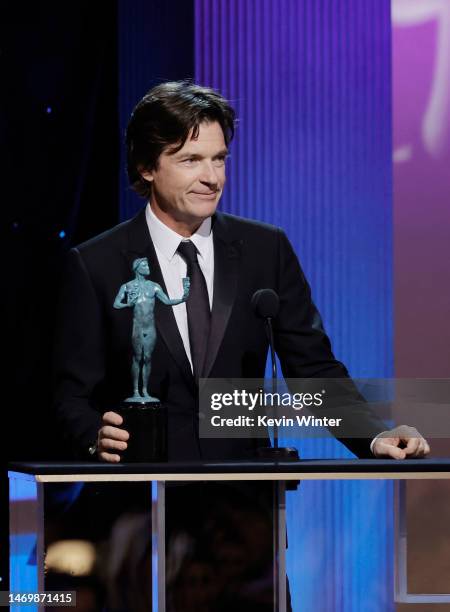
(173, 266)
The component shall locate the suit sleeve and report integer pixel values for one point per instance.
(78, 358)
(304, 348)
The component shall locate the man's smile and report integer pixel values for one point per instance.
(209, 195)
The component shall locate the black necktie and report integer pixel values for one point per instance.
(197, 305)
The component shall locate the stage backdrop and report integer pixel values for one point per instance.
(421, 135)
(311, 82)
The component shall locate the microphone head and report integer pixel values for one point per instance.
(265, 303)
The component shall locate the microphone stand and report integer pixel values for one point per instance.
(265, 303)
(269, 330)
(275, 452)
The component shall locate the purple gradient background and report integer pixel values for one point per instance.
(422, 265)
(421, 209)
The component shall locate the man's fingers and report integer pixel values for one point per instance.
(413, 446)
(385, 449)
(105, 444)
(424, 448)
(111, 438)
(416, 445)
(421, 449)
(109, 458)
(113, 433)
(395, 452)
(112, 418)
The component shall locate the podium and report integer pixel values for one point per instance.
(28, 481)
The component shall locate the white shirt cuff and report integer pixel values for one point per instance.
(373, 441)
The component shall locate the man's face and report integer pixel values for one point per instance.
(187, 185)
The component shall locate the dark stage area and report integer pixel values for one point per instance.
(61, 150)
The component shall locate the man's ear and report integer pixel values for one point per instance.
(147, 175)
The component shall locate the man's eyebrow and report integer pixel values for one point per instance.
(181, 155)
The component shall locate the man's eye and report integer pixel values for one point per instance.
(189, 160)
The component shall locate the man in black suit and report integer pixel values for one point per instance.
(177, 144)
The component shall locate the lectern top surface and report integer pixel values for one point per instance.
(305, 466)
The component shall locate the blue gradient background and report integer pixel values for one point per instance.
(311, 83)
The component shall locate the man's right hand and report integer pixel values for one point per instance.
(111, 438)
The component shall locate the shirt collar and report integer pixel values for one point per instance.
(167, 241)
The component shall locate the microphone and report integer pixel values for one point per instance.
(266, 304)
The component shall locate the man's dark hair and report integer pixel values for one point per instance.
(164, 118)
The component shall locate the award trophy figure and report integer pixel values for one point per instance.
(144, 417)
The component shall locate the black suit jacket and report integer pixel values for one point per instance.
(93, 348)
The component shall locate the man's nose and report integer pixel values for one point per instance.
(209, 174)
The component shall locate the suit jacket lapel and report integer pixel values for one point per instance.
(227, 255)
(141, 246)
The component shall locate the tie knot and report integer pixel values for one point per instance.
(187, 250)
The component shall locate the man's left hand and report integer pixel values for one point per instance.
(400, 443)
